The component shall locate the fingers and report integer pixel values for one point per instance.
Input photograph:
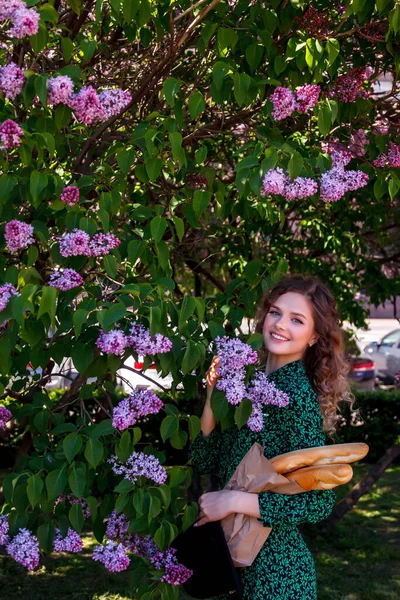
(212, 373)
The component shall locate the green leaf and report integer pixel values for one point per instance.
(170, 89)
(34, 489)
(201, 200)
(110, 265)
(153, 167)
(125, 446)
(189, 515)
(241, 85)
(81, 356)
(48, 302)
(79, 317)
(194, 426)
(7, 184)
(45, 535)
(38, 183)
(158, 225)
(41, 88)
(254, 54)
(333, 48)
(55, 483)
(177, 475)
(394, 186)
(243, 412)
(75, 516)
(295, 165)
(169, 426)
(72, 445)
(187, 308)
(179, 226)
(67, 49)
(200, 155)
(191, 358)
(219, 72)
(324, 119)
(227, 39)
(196, 104)
(125, 160)
(39, 40)
(129, 9)
(179, 439)
(93, 452)
(77, 481)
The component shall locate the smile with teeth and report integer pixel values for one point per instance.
(278, 337)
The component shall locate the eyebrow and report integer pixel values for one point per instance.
(293, 313)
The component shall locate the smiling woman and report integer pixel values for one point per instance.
(302, 342)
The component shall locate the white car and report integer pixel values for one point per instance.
(386, 355)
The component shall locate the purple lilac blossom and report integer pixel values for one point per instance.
(301, 187)
(9, 7)
(24, 549)
(307, 97)
(112, 342)
(139, 404)
(73, 500)
(18, 235)
(336, 182)
(139, 464)
(11, 80)
(233, 355)
(284, 102)
(65, 280)
(60, 90)
(349, 85)
(141, 545)
(5, 416)
(86, 106)
(113, 101)
(103, 243)
(4, 537)
(75, 243)
(70, 543)
(391, 158)
(117, 525)
(144, 344)
(10, 135)
(25, 22)
(274, 182)
(70, 195)
(113, 556)
(340, 155)
(6, 291)
(358, 141)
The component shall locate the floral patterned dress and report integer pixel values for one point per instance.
(284, 568)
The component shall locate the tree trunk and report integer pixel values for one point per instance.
(347, 503)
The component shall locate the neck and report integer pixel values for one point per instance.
(276, 361)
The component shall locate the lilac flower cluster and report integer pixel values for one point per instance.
(18, 235)
(261, 392)
(196, 181)
(358, 141)
(340, 155)
(78, 243)
(70, 195)
(90, 106)
(112, 342)
(73, 500)
(144, 344)
(349, 85)
(113, 556)
(4, 537)
(175, 573)
(60, 90)
(6, 291)
(24, 548)
(389, 159)
(275, 181)
(5, 416)
(233, 356)
(113, 101)
(117, 526)
(286, 101)
(11, 80)
(139, 465)
(25, 21)
(70, 543)
(139, 403)
(10, 135)
(140, 545)
(65, 280)
(336, 182)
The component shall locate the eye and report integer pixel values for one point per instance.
(273, 312)
(297, 320)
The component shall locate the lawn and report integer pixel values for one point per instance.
(360, 560)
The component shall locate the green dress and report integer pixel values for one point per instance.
(284, 568)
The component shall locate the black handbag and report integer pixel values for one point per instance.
(204, 550)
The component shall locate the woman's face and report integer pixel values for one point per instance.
(289, 326)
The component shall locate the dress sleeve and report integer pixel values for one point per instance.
(302, 428)
(205, 452)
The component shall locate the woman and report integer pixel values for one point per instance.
(304, 357)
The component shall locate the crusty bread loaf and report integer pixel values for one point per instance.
(321, 477)
(320, 455)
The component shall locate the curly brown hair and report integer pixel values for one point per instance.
(324, 361)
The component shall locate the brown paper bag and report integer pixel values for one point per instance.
(246, 535)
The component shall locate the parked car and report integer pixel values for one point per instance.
(362, 372)
(386, 355)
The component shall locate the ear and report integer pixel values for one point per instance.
(313, 340)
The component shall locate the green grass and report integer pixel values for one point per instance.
(360, 560)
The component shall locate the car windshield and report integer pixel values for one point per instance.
(392, 339)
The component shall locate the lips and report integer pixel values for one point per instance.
(277, 337)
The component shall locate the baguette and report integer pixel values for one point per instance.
(320, 455)
(322, 477)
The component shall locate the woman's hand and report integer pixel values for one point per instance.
(214, 506)
(212, 376)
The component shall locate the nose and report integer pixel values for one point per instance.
(280, 323)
